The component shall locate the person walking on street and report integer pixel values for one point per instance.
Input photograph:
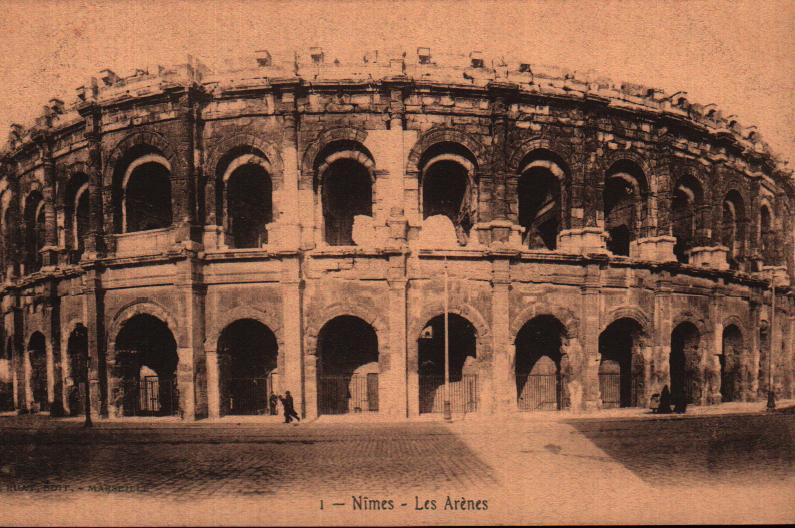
(289, 410)
(272, 403)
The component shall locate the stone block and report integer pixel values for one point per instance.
(582, 241)
(709, 257)
(659, 249)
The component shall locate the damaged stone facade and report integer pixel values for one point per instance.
(187, 241)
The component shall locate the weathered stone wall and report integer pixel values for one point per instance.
(395, 119)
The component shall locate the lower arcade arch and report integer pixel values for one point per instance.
(730, 364)
(684, 363)
(540, 365)
(37, 356)
(621, 364)
(464, 395)
(77, 373)
(146, 363)
(248, 367)
(348, 369)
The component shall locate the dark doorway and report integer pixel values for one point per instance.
(621, 367)
(248, 358)
(730, 359)
(463, 369)
(347, 349)
(37, 350)
(539, 381)
(77, 354)
(146, 354)
(684, 361)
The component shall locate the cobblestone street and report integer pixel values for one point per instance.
(532, 468)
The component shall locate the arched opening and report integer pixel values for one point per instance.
(37, 355)
(344, 178)
(730, 360)
(250, 207)
(248, 362)
(9, 237)
(539, 195)
(540, 384)
(35, 231)
(621, 366)
(449, 188)
(733, 227)
(687, 199)
(624, 191)
(77, 354)
(142, 191)
(347, 350)
(684, 363)
(463, 368)
(766, 235)
(146, 356)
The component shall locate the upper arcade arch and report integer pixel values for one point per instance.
(624, 198)
(541, 192)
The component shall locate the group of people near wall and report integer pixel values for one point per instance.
(287, 406)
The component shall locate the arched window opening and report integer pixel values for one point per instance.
(767, 235)
(449, 186)
(37, 356)
(733, 227)
(142, 191)
(9, 237)
(539, 195)
(621, 366)
(34, 231)
(77, 354)
(540, 365)
(244, 196)
(76, 209)
(347, 350)
(249, 206)
(6, 375)
(687, 198)
(623, 195)
(248, 363)
(684, 363)
(730, 364)
(81, 222)
(146, 358)
(463, 368)
(345, 186)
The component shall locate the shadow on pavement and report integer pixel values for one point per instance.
(714, 449)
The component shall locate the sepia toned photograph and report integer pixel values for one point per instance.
(397, 262)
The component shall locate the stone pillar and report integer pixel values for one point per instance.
(589, 338)
(50, 248)
(712, 353)
(289, 208)
(183, 185)
(661, 372)
(93, 316)
(751, 378)
(213, 384)
(294, 378)
(503, 350)
(392, 386)
(191, 369)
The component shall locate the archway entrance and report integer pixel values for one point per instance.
(37, 353)
(77, 353)
(684, 361)
(347, 374)
(247, 357)
(730, 379)
(539, 360)
(621, 366)
(146, 354)
(463, 369)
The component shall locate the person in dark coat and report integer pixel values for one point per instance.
(665, 401)
(289, 410)
(272, 403)
(680, 402)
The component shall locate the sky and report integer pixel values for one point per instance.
(737, 54)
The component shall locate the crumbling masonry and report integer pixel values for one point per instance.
(185, 242)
